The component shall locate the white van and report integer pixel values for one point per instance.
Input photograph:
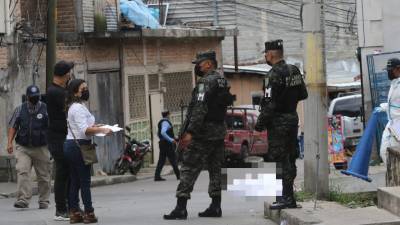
(350, 108)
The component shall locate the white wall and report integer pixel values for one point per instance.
(370, 23)
(379, 31)
(391, 25)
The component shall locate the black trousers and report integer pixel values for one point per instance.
(166, 151)
(61, 179)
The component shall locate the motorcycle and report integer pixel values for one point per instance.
(132, 158)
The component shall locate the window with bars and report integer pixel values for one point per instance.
(137, 97)
(178, 88)
(154, 83)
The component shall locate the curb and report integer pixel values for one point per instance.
(99, 181)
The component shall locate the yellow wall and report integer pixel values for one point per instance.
(244, 85)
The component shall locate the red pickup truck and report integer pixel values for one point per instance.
(241, 139)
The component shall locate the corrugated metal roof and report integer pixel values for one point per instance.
(201, 12)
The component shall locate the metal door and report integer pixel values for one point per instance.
(106, 106)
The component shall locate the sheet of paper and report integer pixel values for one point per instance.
(113, 128)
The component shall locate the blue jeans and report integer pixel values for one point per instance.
(79, 176)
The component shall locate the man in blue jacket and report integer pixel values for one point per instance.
(166, 144)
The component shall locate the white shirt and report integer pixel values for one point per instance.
(79, 119)
(392, 107)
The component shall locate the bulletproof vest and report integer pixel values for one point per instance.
(32, 130)
(170, 131)
(286, 88)
(218, 99)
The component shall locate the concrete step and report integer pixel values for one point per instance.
(330, 213)
(389, 199)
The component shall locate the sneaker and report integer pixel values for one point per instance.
(43, 205)
(61, 216)
(159, 179)
(19, 204)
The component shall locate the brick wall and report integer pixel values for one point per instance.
(35, 11)
(170, 51)
(3, 58)
(71, 51)
(133, 52)
(66, 16)
(102, 50)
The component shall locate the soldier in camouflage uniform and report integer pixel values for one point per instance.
(203, 136)
(284, 88)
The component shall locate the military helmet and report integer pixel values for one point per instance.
(201, 56)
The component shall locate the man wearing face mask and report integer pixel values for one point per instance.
(284, 88)
(392, 107)
(56, 97)
(28, 126)
(203, 137)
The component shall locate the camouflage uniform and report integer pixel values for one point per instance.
(284, 88)
(208, 131)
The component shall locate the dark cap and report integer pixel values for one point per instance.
(273, 45)
(201, 56)
(392, 63)
(63, 67)
(32, 91)
(165, 113)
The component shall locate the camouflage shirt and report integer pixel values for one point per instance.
(199, 125)
(283, 88)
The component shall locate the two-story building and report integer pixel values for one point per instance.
(132, 74)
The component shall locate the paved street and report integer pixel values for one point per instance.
(143, 203)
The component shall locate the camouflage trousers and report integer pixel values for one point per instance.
(283, 149)
(198, 154)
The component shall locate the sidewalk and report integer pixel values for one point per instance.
(347, 184)
(8, 189)
(332, 213)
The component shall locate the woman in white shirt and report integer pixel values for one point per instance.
(81, 126)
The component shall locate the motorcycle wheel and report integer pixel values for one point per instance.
(122, 166)
(135, 169)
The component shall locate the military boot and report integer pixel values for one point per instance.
(278, 205)
(287, 202)
(214, 210)
(291, 202)
(180, 212)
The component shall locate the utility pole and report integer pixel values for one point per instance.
(51, 40)
(316, 166)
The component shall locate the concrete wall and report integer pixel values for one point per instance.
(378, 32)
(259, 21)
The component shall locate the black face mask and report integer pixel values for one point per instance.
(391, 75)
(85, 95)
(34, 100)
(197, 71)
(269, 63)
